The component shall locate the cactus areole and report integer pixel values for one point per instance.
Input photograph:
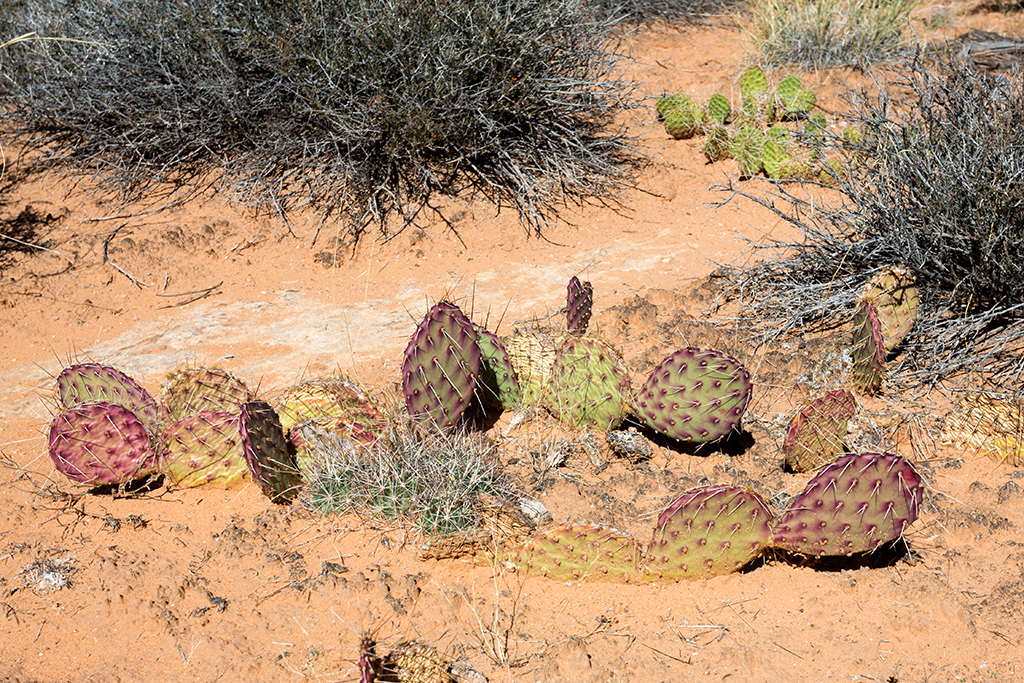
(695, 395)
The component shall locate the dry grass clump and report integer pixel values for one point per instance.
(365, 110)
(826, 33)
(936, 185)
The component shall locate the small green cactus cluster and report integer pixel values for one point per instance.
(754, 134)
(853, 504)
(208, 428)
(886, 311)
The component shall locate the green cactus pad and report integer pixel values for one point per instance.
(708, 531)
(774, 157)
(668, 103)
(532, 353)
(753, 82)
(685, 121)
(894, 295)
(695, 395)
(718, 108)
(90, 382)
(816, 433)
(747, 148)
(579, 303)
(268, 453)
(868, 349)
(498, 385)
(193, 390)
(581, 552)
(205, 448)
(716, 145)
(589, 385)
(441, 365)
(853, 505)
(102, 443)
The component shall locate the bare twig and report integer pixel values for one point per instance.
(106, 259)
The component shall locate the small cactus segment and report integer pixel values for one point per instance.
(498, 385)
(581, 552)
(589, 385)
(708, 531)
(987, 424)
(716, 145)
(205, 448)
(816, 433)
(193, 390)
(793, 98)
(868, 349)
(853, 505)
(413, 661)
(335, 398)
(268, 453)
(695, 395)
(579, 302)
(90, 382)
(441, 367)
(747, 148)
(753, 82)
(895, 298)
(668, 103)
(684, 120)
(102, 443)
(774, 158)
(718, 108)
(532, 354)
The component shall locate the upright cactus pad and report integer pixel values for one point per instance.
(205, 448)
(268, 452)
(853, 505)
(695, 395)
(774, 158)
(684, 121)
(193, 390)
(581, 552)
(816, 433)
(498, 385)
(589, 385)
(894, 295)
(718, 108)
(716, 145)
(102, 443)
(579, 302)
(753, 82)
(335, 398)
(90, 382)
(868, 349)
(532, 353)
(747, 148)
(441, 366)
(668, 103)
(793, 99)
(708, 531)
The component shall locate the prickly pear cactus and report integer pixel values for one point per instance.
(774, 157)
(793, 99)
(894, 295)
(589, 385)
(667, 103)
(579, 302)
(581, 552)
(498, 385)
(753, 82)
(816, 433)
(695, 395)
(101, 443)
(708, 531)
(988, 424)
(205, 448)
(193, 390)
(685, 120)
(868, 349)
(441, 367)
(532, 353)
(852, 505)
(716, 145)
(747, 148)
(268, 453)
(718, 108)
(413, 661)
(89, 382)
(336, 398)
